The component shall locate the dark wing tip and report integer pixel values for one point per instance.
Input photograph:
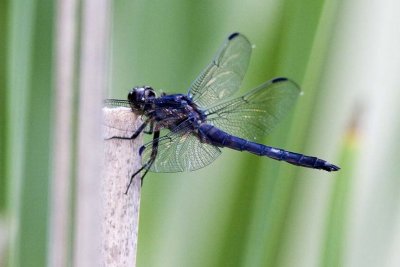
(284, 79)
(279, 79)
(233, 35)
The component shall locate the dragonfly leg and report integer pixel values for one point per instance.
(151, 129)
(148, 164)
(145, 172)
(133, 176)
(134, 135)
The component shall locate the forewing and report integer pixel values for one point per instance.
(224, 74)
(254, 115)
(179, 151)
(116, 103)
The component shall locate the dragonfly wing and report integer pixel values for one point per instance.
(224, 74)
(253, 115)
(116, 103)
(180, 150)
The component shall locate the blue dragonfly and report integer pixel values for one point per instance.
(207, 119)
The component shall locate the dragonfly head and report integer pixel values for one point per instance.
(138, 97)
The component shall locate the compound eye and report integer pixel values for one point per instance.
(150, 93)
(132, 95)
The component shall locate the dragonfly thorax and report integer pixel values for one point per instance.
(138, 97)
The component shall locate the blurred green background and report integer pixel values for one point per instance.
(241, 210)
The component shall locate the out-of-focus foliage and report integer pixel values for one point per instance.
(29, 96)
(3, 108)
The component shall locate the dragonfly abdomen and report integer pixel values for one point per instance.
(220, 138)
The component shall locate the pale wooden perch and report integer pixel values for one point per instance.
(120, 212)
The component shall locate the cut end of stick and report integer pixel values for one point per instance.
(120, 211)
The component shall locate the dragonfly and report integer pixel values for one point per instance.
(198, 124)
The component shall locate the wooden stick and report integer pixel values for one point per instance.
(120, 212)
